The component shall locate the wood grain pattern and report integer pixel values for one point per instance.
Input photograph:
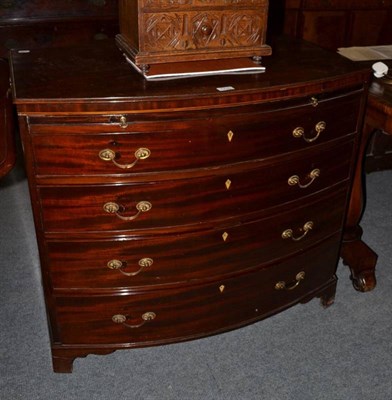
(187, 313)
(184, 201)
(192, 256)
(204, 142)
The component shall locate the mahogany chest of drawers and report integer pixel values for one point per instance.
(174, 210)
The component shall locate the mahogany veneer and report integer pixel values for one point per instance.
(169, 211)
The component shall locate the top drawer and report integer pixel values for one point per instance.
(69, 147)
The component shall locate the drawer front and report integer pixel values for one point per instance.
(170, 259)
(169, 315)
(90, 149)
(206, 29)
(190, 201)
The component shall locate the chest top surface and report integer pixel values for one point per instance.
(80, 76)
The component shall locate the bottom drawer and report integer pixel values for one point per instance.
(164, 316)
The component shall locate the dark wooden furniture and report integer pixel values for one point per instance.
(44, 23)
(378, 125)
(340, 23)
(7, 141)
(170, 211)
(162, 31)
(344, 23)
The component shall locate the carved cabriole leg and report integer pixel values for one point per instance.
(360, 258)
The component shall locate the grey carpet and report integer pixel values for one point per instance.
(344, 352)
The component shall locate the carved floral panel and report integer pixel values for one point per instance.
(201, 30)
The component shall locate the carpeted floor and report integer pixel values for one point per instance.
(305, 353)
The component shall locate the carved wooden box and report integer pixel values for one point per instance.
(161, 31)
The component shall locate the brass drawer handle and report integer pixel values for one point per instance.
(300, 132)
(283, 285)
(110, 155)
(114, 208)
(295, 180)
(289, 234)
(120, 319)
(119, 265)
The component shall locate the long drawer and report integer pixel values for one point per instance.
(163, 316)
(188, 201)
(136, 261)
(67, 148)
